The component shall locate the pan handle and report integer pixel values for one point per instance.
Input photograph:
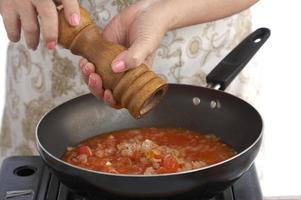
(223, 74)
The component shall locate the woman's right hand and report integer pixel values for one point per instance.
(33, 16)
(133, 28)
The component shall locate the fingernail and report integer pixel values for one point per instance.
(119, 66)
(74, 19)
(51, 45)
(92, 82)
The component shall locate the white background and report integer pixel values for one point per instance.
(279, 162)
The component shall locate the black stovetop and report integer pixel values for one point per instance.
(26, 178)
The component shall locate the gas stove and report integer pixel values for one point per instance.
(27, 178)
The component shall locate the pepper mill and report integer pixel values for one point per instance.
(138, 89)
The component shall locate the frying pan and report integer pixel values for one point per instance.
(203, 109)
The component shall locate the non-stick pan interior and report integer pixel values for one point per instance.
(205, 110)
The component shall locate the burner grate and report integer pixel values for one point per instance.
(26, 178)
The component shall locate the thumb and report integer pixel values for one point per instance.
(137, 54)
(71, 11)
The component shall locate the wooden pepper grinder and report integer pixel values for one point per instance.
(138, 89)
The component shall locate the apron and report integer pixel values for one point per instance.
(38, 81)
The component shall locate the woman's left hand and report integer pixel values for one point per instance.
(140, 27)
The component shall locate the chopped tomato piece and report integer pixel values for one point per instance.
(84, 150)
(170, 162)
(161, 170)
(169, 165)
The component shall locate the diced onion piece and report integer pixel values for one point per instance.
(83, 158)
(149, 170)
(108, 163)
(99, 153)
(70, 148)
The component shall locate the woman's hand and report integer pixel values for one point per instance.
(24, 14)
(140, 28)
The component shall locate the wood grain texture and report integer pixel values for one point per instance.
(138, 89)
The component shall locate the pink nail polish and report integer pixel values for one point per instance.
(74, 19)
(119, 66)
(51, 45)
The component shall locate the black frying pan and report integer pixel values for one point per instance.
(201, 109)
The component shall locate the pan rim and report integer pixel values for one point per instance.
(40, 147)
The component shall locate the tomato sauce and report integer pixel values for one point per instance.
(148, 151)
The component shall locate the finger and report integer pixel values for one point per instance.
(137, 54)
(87, 70)
(118, 64)
(141, 48)
(11, 21)
(49, 21)
(109, 99)
(29, 24)
(95, 85)
(82, 62)
(71, 11)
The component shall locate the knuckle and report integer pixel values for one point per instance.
(31, 28)
(45, 8)
(134, 60)
(48, 13)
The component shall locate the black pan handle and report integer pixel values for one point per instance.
(237, 59)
